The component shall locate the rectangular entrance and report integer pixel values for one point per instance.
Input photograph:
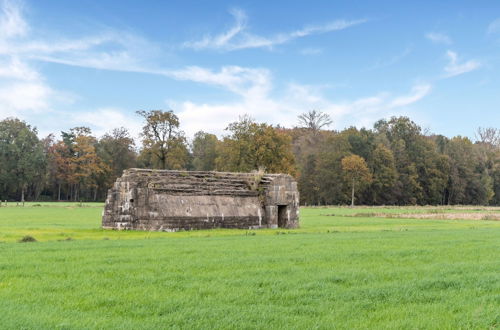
(282, 216)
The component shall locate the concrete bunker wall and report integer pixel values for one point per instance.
(281, 202)
(181, 200)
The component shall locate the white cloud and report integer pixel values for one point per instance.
(494, 27)
(224, 38)
(439, 38)
(454, 68)
(109, 49)
(25, 93)
(237, 37)
(252, 85)
(23, 90)
(284, 109)
(24, 97)
(239, 80)
(13, 68)
(11, 22)
(417, 93)
(328, 27)
(105, 119)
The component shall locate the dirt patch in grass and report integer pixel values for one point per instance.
(432, 215)
(435, 216)
(451, 216)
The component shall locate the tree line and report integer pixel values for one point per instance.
(393, 163)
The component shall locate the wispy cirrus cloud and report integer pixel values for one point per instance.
(109, 49)
(455, 68)
(439, 38)
(417, 93)
(22, 88)
(494, 27)
(12, 23)
(25, 92)
(237, 37)
(311, 51)
(224, 38)
(239, 80)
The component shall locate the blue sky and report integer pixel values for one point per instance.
(94, 63)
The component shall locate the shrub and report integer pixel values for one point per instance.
(27, 239)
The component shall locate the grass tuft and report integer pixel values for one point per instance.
(27, 239)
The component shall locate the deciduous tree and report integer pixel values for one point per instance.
(384, 175)
(315, 120)
(164, 144)
(356, 172)
(251, 146)
(21, 157)
(117, 150)
(204, 149)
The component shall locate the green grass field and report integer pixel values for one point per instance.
(334, 272)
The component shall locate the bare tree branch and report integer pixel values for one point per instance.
(315, 120)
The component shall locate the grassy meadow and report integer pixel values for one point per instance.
(344, 268)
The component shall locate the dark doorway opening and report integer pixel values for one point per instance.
(282, 216)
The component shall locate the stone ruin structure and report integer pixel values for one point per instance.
(163, 200)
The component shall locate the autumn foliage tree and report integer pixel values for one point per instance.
(355, 172)
(252, 146)
(87, 165)
(61, 166)
(163, 143)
